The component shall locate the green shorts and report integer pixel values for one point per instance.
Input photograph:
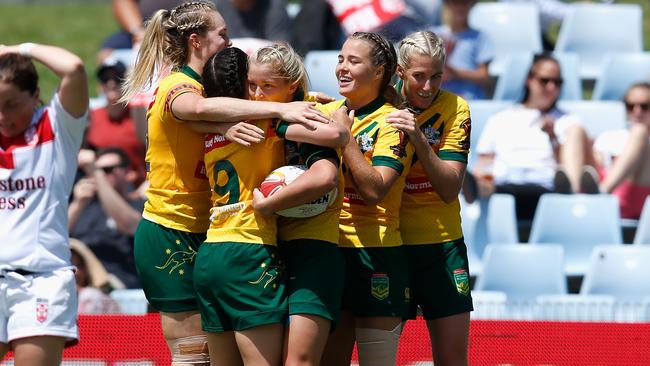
(439, 279)
(239, 286)
(164, 259)
(315, 277)
(376, 282)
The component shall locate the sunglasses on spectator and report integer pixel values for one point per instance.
(545, 81)
(109, 169)
(630, 106)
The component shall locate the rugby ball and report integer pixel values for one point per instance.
(283, 176)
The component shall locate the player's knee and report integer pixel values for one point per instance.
(377, 346)
(192, 350)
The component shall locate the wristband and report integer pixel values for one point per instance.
(25, 49)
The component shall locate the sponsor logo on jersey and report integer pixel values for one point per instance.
(418, 185)
(462, 281)
(466, 125)
(379, 286)
(352, 197)
(215, 141)
(200, 171)
(400, 149)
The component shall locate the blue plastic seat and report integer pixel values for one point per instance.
(512, 28)
(502, 219)
(511, 85)
(642, 234)
(579, 222)
(620, 71)
(132, 301)
(523, 271)
(593, 30)
(321, 67)
(480, 111)
(620, 270)
(597, 116)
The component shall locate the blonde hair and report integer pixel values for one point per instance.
(286, 63)
(425, 43)
(165, 42)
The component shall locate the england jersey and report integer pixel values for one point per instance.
(37, 171)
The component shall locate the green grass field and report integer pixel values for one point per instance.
(81, 27)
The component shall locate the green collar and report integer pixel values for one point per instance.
(191, 73)
(364, 111)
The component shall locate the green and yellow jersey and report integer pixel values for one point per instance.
(361, 225)
(321, 227)
(233, 172)
(179, 195)
(425, 217)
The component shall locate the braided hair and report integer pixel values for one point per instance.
(383, 54)
(226, 74)
(165, 41)
(286, 63)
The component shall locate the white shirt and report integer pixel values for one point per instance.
(35, 183)
(523, 153)
(610, 144)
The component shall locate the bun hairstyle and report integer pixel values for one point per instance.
(383, 54)
(165, 42)
(226, 74)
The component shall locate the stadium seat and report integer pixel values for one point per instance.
(512, 28)
(592, 30)
(621, 271)
(597, 116)
(642, 234)
(511, 85)
(619, 72)
(132, 301)
(502, 219)
(572, 307)
(469, 214)
(489, 305)
(579, 222)
(522, 271)
(321, 67)
(480, 112)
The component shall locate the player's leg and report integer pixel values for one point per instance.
(449, 338)
(224, 349)
(38, 351)
(261, 346)
(378, 340)
(340, 343)
(187, 343)
(314, 300)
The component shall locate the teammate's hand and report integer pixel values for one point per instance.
(320, 97)
(244, 133)
(302, 112)
(259, 203)
(344, 116)
(405, 121)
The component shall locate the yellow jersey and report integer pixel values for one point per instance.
(361, 225)
(233, 172)
(320, 227)
(425, 217)
(178, 196)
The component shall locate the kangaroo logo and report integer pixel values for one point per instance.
(177, 259)
(269, 272)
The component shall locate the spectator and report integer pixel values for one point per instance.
(521, 148)
(264, 19)
(325, 31)
(92, 281)
(469, 52)
(113, 125)
(102, 214)
(623, 156)
(130, 15)
(418, 14)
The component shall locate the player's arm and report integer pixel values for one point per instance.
(445, 176)
(319, 179)
(242, 133)
(333, 135)
(194, 107)
(73, 88)
(128, 16)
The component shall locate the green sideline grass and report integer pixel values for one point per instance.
(78, 27)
